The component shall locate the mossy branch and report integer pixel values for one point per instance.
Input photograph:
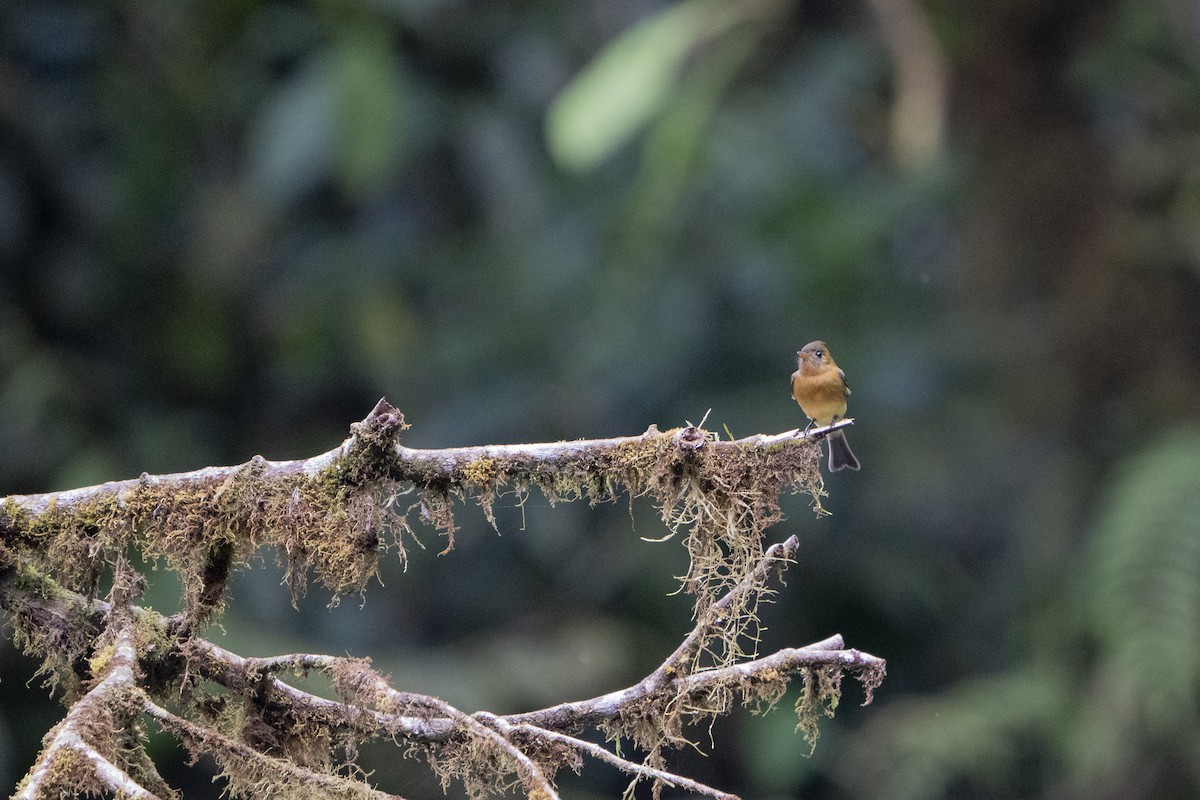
(479, 749)
(118, 663)
(333, 514)
(96, 748)
(595, 468)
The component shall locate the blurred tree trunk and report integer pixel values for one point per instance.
(1069, 315)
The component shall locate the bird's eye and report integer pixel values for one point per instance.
(818, 353)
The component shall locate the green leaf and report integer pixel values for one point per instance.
(629, 82)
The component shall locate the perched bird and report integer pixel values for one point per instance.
(819, 386)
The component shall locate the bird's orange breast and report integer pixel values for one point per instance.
(822, 396)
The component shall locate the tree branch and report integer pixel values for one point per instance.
(258, 771)
(71, 747)
(324, 514)
(789, 661)
(524, 461)
(600, 754)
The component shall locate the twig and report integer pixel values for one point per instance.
(531, 775)
(786, 662)
(237, 673)
(397, 723)
(568, 716)
(775, 557)
(188, 730)
(641, 770)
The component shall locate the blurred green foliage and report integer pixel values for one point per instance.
(631, 81)
(228, 228)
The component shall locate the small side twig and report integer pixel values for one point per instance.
(789, 661)
(640, 770)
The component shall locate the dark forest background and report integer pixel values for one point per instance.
(227, 228)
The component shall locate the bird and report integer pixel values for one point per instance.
(819, 386)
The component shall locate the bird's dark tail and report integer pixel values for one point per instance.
(840, 454)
